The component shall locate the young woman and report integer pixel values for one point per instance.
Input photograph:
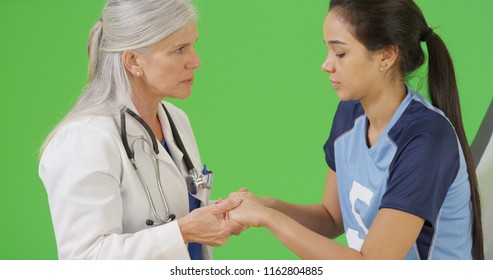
(401, 181)
(122, 171)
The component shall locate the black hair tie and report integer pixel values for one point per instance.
(428, 35)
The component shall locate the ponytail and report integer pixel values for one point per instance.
(94, 47)
(442, 87)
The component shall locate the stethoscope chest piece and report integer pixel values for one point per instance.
(198, 181)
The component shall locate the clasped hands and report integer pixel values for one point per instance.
(214, 224)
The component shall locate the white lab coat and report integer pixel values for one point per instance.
(97, 203)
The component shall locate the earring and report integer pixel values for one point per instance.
(384, 67)
(138, 73)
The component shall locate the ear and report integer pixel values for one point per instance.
(132, 64)
(388, 57)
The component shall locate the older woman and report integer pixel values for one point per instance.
(122, 170)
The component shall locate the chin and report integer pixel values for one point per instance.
(344, 96)
(183, 95)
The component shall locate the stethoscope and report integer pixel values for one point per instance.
(194, 179)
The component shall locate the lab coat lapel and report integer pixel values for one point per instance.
(202, 195)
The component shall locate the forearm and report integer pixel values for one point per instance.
(302, 241)
(312, 216)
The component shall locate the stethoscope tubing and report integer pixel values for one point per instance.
(195, 178)
(148, 193)
(131, 157)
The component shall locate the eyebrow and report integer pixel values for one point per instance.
(335, 42)
(180, 45)
(183, 44)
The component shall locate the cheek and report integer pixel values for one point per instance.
(357, 78)
(162, 74)
(364, 74)
(353, 73)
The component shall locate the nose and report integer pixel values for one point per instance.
(328, 66)
(194, 62)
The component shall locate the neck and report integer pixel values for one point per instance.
(148, 111)
(380, 108)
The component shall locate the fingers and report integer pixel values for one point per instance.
(241, 193)
(226, 205)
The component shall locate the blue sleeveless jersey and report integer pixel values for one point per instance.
(416, 166)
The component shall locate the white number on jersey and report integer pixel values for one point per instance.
(363, 194)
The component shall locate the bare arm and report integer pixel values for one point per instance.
(390, 237)
(324, 219)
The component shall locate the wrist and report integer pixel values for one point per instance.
(269, 202)
(267, 215)
(184, 227)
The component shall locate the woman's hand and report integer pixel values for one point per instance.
(244, 193)
(249, 213)
(210, 225)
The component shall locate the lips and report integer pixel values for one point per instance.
(335, 84)
(188, 81)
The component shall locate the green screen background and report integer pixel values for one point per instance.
(261, 107)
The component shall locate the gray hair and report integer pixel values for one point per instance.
(124, 25)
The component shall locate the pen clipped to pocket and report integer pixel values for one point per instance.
(208, 176)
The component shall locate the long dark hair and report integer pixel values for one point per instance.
(381, 23)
